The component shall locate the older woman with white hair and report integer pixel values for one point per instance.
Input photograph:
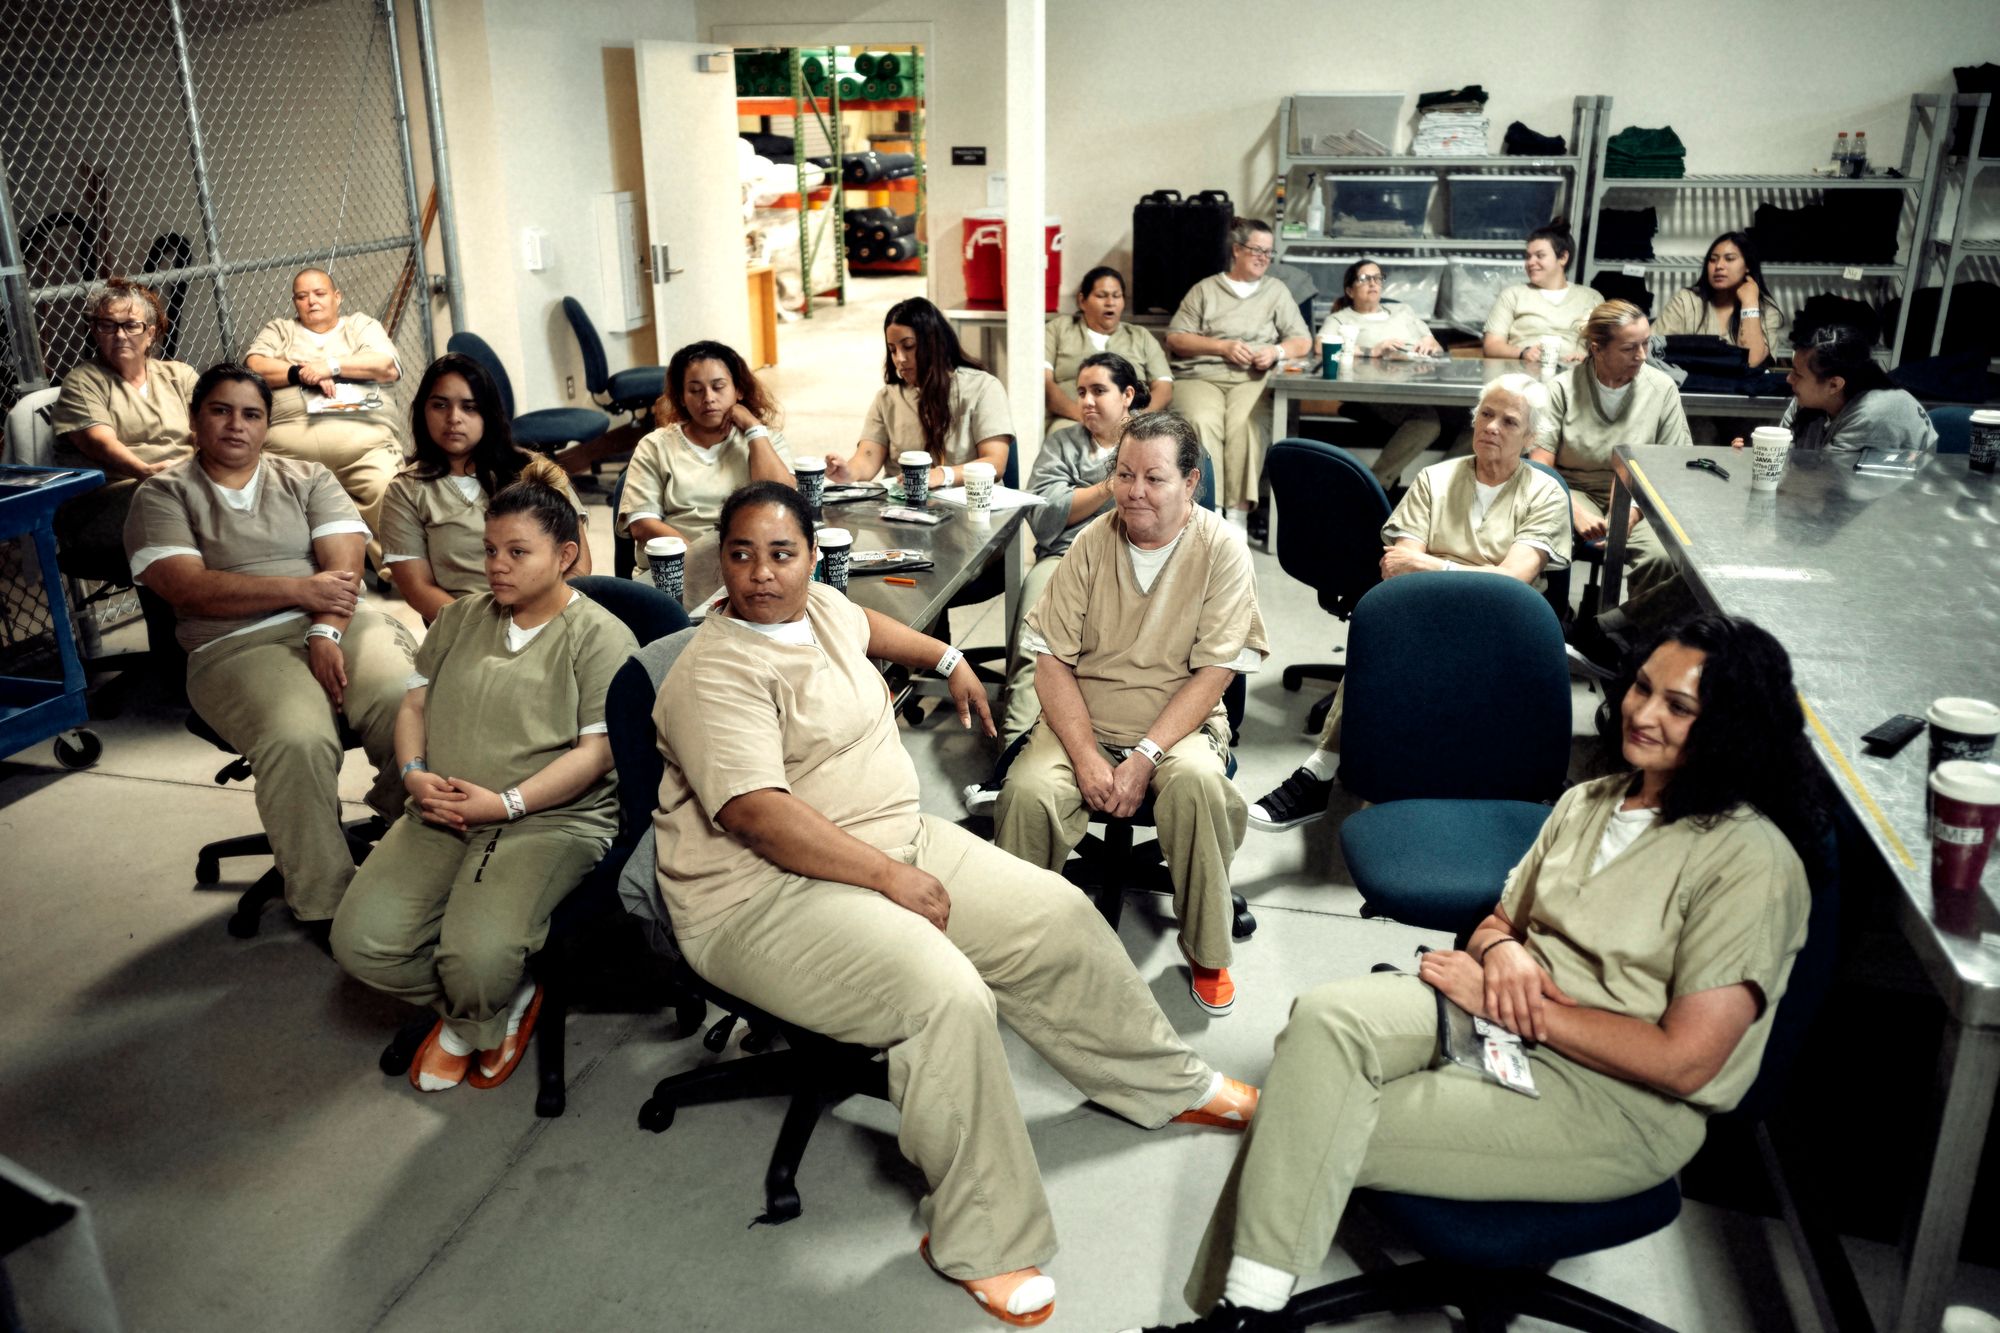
(1486, 514)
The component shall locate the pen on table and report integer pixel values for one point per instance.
(901, 583)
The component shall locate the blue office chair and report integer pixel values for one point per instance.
(632, 391)
(544, 431)
(1457, 734)
(1555, 582)
(1954, 429)
(1333, 541)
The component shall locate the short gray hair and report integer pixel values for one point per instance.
(1241, 229)
(1166, 424)
(1534, 396)
(122, 291)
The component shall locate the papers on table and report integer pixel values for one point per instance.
(1004, 497)
(346, 398)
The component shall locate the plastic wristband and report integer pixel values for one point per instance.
(1504, 939)
(1445, 566)
(948, 477)
(415, 766)
(1754, 312)
(324, 632)
(949, 662)
(1150, 748)
(516, 807)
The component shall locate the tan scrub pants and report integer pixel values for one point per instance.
(1351, 1101)
(1654, 593)
(1230, 412)
(1024, 706)
(362, 453)
(449, 919)
(259, 694)
(847, 962)
(1041, 817)
(1417, 429)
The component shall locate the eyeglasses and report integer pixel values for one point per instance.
(1369, 280)
(1258, 251)
(131, 328)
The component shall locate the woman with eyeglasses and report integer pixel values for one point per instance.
(1231, 331)
(1373, 327)
(124, 411)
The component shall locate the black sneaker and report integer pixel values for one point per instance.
(1591, 650)
(1299, 799)
(1226, 1318)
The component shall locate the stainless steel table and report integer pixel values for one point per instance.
(1886, 593)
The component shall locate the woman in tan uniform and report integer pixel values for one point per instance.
(433, 527)
(312, 360)
(1547, 305)
(935, 399)
(502, 746)
(1643, 944)
(126, 412)
(1360, 321)
(800, 875)
(1152, 614)
(1728, 300)
(1098, 326)
(260, 558)
(1230, 333)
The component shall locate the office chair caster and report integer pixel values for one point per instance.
(781, 1196)
(243, 921)
(1244, 925)
(718, 1036)
(689, 1015)
(656, 1116)
(207, 870)
(78, 749)
(756, 1042)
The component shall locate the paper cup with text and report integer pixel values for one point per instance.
(979, 478)
(836, 548)
(1552, 353)
(916, 466)
(1965, 814)
(809, 474)
(667, 556)
(1770, 451)
(1962, 729)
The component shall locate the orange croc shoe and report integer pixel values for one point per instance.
(434, 1069)
(1023, 1298)
(1211, 987)
(495, 1065)
(1230, 1108)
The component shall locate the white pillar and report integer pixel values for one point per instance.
(1027, 192)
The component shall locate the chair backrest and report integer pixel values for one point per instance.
(635, 752)
(31, 441)
(1954, 429)
(1204, 490)
(1457, 688)
(476, 347)
(596, 370)
(624, 559)
(649, 613)
(1333, 539)
(1555, 582)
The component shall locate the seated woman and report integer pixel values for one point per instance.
(502, 746)
(125, 411)
(1097, 327)
(1152, 614)
(935, 399)
(1643, 945)
(1231, 331)
(1728, 301)
(260, 559)
(434, 512)
(801, 876)
(1548, 304)
(718, 432)
(1373, 329)
(1843, 401)
(307, 360)
(1491, 513)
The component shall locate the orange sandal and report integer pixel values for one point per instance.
(512, 1047)
(444, 1069)
(1230, 1108)
(997, 1294)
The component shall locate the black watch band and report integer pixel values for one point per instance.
(292, 375)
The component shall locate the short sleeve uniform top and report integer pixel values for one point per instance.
(151, 421)
(290, 340)
(441, 520)
(1068, 341)
(1523, 314)
(683, 484)
(1213, 309)
(978, 412)
(1442, 511)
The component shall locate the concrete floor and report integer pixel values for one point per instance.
(217, 1103)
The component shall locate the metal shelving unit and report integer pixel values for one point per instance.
(918, 184)
(823, 114)
(1731, 198)
(1955, 251)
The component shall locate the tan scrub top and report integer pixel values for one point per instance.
(181, 512)
(669, 478)
(742, 712)
(1582, 436)
(436, 521)
(1682, 910)
(978, 412)
(1531, 507)
(1132, 650)
(1364, 332)
(497, 717)
(289, 340)
(1266, 317)
(1066, 344)
(1522, 315)
(153, 424)
(1686, 312)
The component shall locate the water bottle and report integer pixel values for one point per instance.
(1857, 156)
(1840, 154)
(1315, 206)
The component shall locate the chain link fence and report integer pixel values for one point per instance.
(210, 148)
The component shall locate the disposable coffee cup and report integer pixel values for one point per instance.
(1965, 815)
(1962, 729)
(1985, 451)
(668, 558)
(1330, 358)
(1552, 353)
(836, 547)
(916, 466)
(1770, 452)
(810, 476)
(978, 489)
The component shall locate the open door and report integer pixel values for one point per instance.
(694, 203)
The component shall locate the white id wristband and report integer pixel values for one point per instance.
(758, 432)
(1150, 748)
(949, 662)
(416, 765)
(516, 806)
(324, 632)
(1752, 313)
(949, 477)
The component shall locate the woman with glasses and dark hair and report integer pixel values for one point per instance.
(1547, 305)
(1641, 946)
(1232, 330)
(1373, 327)
(434, 512)
(1843, 401)
(124, 411)
(1728, 300)
(1098, 327)
(718, 432)
(935, 399)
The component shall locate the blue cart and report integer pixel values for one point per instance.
(33, 709)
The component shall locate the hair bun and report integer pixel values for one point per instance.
(545, 471)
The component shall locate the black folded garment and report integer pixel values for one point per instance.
(1849, 227)
(1744, 384)
(1955, 377)
(1626, 233)
(1973, 325)
(1520, 141)
(1471, 92)
(1705, 354)
(1827, 311)
(1615, 286)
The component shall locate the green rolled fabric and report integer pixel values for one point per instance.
(850, 89)
(814, 69)
(888, 65)
(871, 90)
(864, 64)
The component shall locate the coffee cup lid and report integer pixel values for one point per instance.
(1972, 717)
(1772, 434)
(986, 470)
(914, 458)
(808, 465)
(1967, 780)
(834, 537)
(1987, 416)
(666, 546)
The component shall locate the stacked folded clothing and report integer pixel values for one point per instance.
(1613, 285)
(1452, 123)
(1636, 152)
(1626, 233)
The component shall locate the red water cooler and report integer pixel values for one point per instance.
(986, 259)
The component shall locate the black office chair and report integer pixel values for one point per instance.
(624, 559)
(813, 1071)
(1333, 540)
(546, 430)
(632, 391)
(1954, 429)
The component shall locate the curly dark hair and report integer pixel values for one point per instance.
(1748, 745)
(670, 409)
(496, 460)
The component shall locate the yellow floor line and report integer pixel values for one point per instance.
(1860, 787)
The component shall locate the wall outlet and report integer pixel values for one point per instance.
(569, 387)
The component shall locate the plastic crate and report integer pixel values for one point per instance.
(1413, 280)
(1500, 208)
(1345, 124)
(1360, 207)
(1474, 284)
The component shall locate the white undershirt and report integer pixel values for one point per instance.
(798, 633)
(1610, 397)
(1621, 831)
(1243, 290)
(1098, 341)
(1146, 567)
(467, 486)
(1483, 500)
(1556, 297)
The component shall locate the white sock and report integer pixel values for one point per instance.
(1238, 518)
(1254, 1286)
(518, 1007)
(1323, 764)
(452, 1044)
(1214, 1088)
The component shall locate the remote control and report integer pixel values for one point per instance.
(1893, 735)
